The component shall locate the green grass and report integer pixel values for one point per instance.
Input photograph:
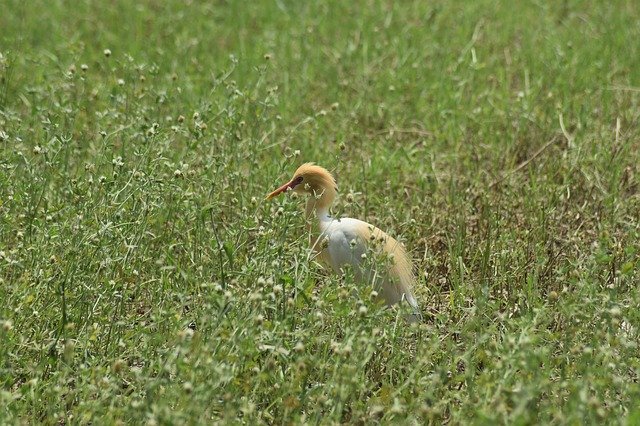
(498, 140)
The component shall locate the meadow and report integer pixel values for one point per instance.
(144, 279)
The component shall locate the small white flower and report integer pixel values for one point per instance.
(7, 325)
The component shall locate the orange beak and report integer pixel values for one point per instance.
(282, 189)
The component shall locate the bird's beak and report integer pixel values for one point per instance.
(280, 190)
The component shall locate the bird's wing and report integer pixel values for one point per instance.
(350, 238)
(345, 244)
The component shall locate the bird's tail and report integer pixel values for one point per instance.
(416, 315)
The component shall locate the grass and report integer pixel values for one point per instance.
(144, 279)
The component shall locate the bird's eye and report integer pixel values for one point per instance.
(299, 180)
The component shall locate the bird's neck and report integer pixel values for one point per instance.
(319, 206)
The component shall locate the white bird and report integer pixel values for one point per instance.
(345, 241)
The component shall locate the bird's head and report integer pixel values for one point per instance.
(309, 179)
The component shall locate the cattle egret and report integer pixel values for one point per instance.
(345, 241)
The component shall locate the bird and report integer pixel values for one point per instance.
(344, 242)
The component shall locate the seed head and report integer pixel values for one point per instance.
(107, 52)
(324, 243)
(118, 366)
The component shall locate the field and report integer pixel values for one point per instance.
(144, 278)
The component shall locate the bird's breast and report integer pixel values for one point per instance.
(343, 242)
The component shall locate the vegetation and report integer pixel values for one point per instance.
(144, 279)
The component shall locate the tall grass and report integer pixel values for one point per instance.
(144, 279)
